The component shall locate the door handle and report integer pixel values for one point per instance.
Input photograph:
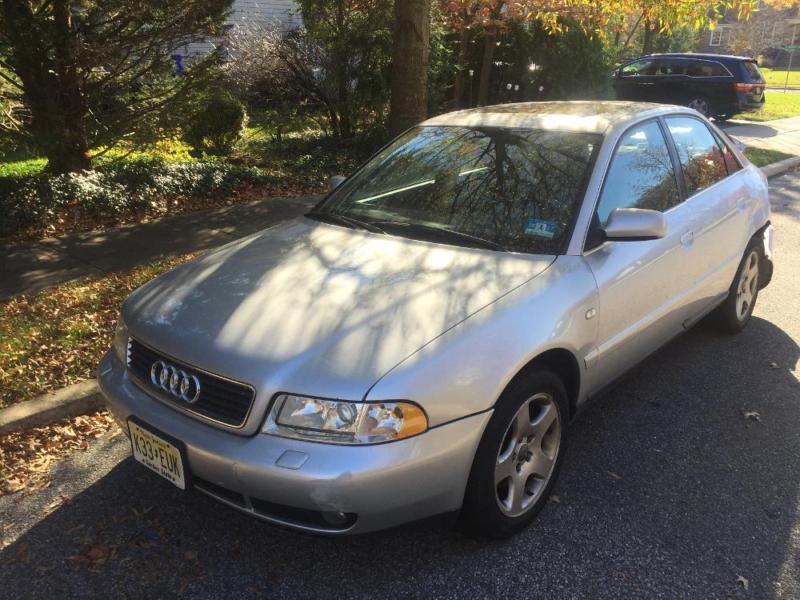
(687, 238)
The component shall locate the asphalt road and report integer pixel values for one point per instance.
(667, 491)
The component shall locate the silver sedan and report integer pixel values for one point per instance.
(419, 342)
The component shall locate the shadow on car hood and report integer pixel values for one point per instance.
(318, 309)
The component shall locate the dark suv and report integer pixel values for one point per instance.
(715, 85)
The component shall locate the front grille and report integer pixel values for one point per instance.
(222, 400)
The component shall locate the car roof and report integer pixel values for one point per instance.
(576, 115)
(700, 56)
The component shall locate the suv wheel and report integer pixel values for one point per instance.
(518, 458)
(701, 105)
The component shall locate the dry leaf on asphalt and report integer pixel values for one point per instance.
(745, 583)
(752, 415)
(27, 456)
(614, 475)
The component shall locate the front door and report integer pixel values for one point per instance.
(642, 285)
(636, 80)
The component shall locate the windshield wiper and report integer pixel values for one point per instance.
(338, 219)
(441, 233)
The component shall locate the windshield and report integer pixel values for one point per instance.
(501, 188)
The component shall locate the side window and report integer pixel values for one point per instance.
(699, 68)
(672, 67)
(640, 175)
(731, 163)
(701, 159)
(638, 68)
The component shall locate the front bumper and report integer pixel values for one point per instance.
(377, 486)
(768, 265)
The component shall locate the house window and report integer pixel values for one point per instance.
(716, 37)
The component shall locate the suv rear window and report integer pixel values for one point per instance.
(752, 72)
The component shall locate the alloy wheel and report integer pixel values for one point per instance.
(700, 105)
(527, 455)
(747, 288)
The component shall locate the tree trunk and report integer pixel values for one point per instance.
(409, 74)
(647, 42)
(461, 66)
(489, 44)
(51, 86)
(344, 110)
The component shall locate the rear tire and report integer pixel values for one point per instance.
(735, 312)
(701, 104)
(518, 458)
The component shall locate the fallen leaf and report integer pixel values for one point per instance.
(555, 499)
(752, 415)
(773, 365)
(744, 581)
(614, 475)
(190, 555)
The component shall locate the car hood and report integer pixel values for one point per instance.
(318, 309)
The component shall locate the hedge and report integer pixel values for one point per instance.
(115, 189)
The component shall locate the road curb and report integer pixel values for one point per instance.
(70, 401)
(780, 167)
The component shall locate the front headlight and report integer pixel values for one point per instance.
(344, 422)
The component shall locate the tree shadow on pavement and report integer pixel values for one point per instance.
(670, 488)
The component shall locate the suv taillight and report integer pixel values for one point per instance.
(744, 87)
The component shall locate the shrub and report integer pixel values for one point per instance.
(216, 125)
(115, 189)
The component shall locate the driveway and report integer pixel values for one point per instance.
(668, 491)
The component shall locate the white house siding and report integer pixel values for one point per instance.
(281, 13)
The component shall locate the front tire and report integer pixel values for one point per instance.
(735, 312)
(518, 458)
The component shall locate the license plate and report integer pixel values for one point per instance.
(157, 454)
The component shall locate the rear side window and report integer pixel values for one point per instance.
(638, 68)
(640, 175)
(672, 67)
(706, 68)
(731, 163)
(752, 72)
(701, 159)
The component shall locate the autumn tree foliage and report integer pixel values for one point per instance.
(486, 20)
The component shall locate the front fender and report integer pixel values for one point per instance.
(464, 370)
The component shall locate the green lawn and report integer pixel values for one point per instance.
(778, 105)
(761, 157)
(777, 77)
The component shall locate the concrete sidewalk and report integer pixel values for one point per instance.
(782, 135)
(30, 267)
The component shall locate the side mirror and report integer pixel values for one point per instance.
(335, 181)
(635, 224)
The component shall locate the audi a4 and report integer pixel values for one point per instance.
(419, 342)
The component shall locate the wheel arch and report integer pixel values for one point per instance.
(563, 363)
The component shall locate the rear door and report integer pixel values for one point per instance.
(643, 285)
(635, 80)
(719, 200)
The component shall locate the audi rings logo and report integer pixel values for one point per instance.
(175, 382)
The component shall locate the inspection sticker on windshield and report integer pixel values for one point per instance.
(541, 228)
